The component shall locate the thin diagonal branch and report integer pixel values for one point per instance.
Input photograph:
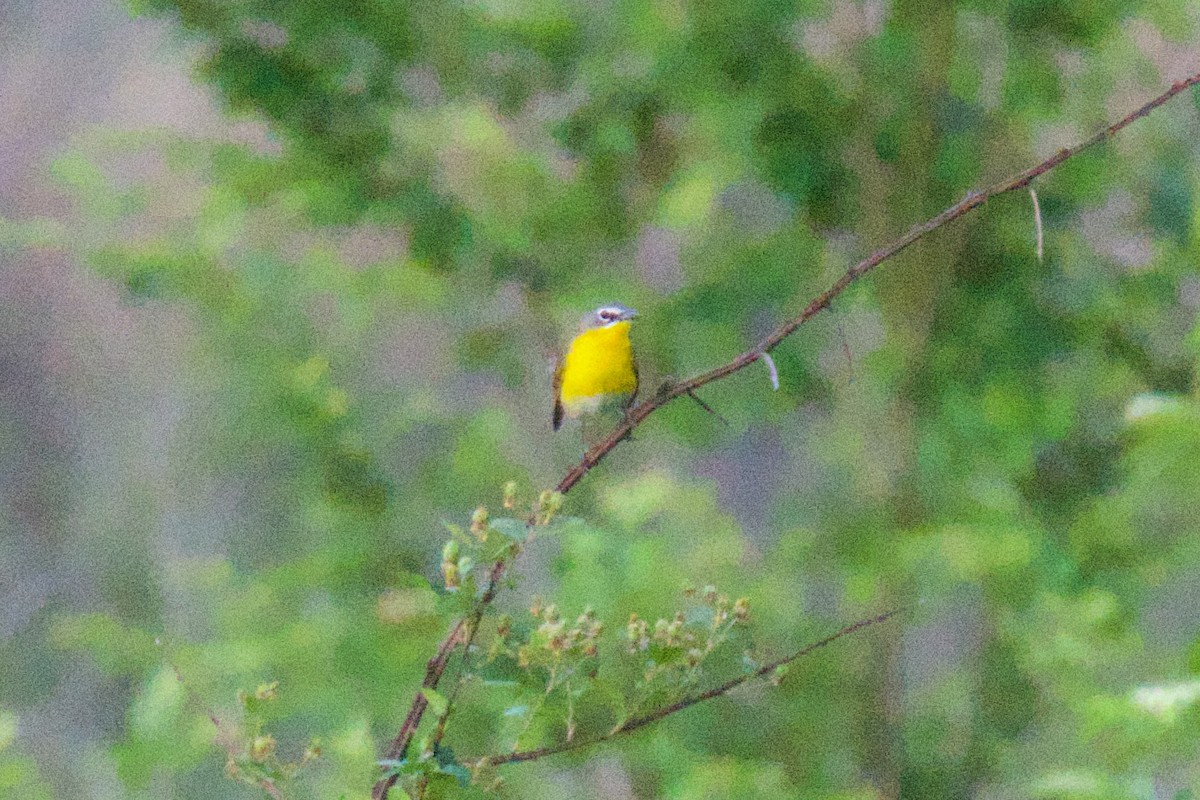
(398, 748)
(687, 702)
(638, 414)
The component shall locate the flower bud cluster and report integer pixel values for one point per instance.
(555, 636)
(691, 642)
(664, 633)
(479, 523)
(548, 504)
(262, 747)
(251, 752)
(637, 632)
(741, 609)
(723, 609)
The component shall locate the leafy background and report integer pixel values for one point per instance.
(264, 329)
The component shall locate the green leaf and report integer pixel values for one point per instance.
(438, 703)
(460, 534)
(459, 773)
(441, 784)
(513, 530)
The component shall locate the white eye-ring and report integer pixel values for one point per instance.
(605, 316)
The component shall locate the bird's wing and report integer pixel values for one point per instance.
(633, 395)
(557, 416)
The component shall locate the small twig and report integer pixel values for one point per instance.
(398, 749)
(841, 331)
(687, 702)
(707, 407)
(1037, 222)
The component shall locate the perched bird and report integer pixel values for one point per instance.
(598, 370)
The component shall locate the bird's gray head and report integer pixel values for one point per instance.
(607, 315)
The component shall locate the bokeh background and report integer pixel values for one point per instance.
(281, 284)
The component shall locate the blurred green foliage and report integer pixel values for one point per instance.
(375, 284)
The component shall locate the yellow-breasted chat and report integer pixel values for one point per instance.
(598, 369)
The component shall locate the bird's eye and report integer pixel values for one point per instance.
(607, 315)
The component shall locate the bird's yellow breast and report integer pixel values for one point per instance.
(598, 364)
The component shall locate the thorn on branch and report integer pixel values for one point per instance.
(770, 362)
(706, 407)
(1037, 222)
